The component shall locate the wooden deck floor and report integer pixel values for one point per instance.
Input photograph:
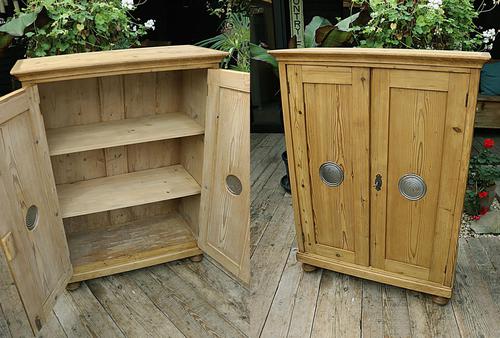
(178, 299)
(285, 302)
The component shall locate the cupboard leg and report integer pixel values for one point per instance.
(196, 258)
(440, 300)
(308, 268)
(73, 286)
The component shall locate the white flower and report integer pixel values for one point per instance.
(150, 24)
(434, 4)
(128, 4)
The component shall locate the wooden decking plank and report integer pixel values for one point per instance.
(305, 305)
(428, 319)
(338, 312)
(474, 308)
(183, 305)
(279, 316)
(227, 286)
(268, 153)
(255, 139)
(395, 312)
(53, 328)
(81, 315)
(372, 320)
(131, 309)
(268, 262)
(235, 313)
(13, 319)
(264, 207)
(486, 254)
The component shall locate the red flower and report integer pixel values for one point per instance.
(483, 194)
(484, 210)
(476, 218)
(488, 143)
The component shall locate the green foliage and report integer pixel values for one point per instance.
(223, 8)
(234, 39)
(484, 170)
(75, 26)
(420, 24)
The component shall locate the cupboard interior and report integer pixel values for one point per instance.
(127, 157)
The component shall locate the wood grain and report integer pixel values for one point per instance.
(125, 190)
(122, 132)
(141, 243)
(125, 61)
(227, 152)
(39, 258)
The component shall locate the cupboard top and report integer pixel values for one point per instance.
(384, 56)
(124, 61)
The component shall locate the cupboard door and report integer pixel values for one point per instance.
(225, 196)
(420, 128)
(31, 230)
(329, 122)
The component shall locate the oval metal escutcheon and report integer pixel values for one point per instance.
(32, 217)
(412, 187)
(331, 174)
(234, 185)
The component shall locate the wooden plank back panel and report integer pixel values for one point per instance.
(337, 130)
(38, 258)
(115, 98)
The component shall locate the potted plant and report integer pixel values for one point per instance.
(484, 170)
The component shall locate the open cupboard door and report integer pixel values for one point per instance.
(31, 231)
(225, 197)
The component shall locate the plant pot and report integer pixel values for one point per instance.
(8, 58)
(487, 201)
(285, 180)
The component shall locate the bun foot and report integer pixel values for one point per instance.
(196, 258)
(308, 268)
(73, 286)
(440, 300)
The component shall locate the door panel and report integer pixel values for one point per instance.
(410, 120)
(335, 128)
(31, 231)
(225, 197)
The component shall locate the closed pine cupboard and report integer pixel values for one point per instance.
(378, 142)
(113, 161)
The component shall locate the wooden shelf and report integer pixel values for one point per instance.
(121, 191)
(121, 132)
(134, 245)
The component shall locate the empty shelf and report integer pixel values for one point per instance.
(104, 251)
(121, 191)
(121, 132)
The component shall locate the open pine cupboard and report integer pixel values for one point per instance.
(113, 161)
(378, 145)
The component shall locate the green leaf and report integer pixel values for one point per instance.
(310, 30)
(17, 25)
(336, 38)
(345, 24)
(261, 54)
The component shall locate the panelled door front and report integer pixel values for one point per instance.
(418, 127)
(31, 229)
(225, 196)
(329, 120)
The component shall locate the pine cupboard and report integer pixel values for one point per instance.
(113, 161)
(378, 142)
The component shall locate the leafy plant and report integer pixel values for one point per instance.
(73, 26)
(420, 24)
(223, 8)
(16, 26)
(484, 170)
(234, 39)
